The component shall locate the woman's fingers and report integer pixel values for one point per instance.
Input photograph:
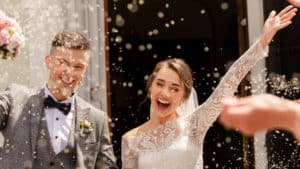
(272, 14)
(288, 16)
(281, 26)
(285, 10)
(283, 19)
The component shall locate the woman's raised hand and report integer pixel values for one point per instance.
(276, 22)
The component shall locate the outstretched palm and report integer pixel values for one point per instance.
(276, 22)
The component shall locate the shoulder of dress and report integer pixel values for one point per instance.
(130, 133)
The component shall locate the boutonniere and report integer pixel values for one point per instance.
(86, 126)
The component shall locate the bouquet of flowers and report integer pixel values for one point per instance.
(11, 37)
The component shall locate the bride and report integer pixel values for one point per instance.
(170, 140)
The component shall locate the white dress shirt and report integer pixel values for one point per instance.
(59, 125)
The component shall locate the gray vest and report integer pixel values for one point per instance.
(45, 156)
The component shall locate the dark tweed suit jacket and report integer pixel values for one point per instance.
(20, 117)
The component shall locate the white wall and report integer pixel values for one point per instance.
(40, 21)
(255, 25)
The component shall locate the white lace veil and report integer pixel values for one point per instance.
(188, 106)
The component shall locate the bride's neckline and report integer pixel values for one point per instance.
(151, 125)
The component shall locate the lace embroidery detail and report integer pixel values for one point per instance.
(159, 138)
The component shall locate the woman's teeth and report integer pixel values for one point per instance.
(163, 103)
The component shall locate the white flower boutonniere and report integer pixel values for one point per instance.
(86, 126)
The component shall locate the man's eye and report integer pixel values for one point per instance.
(61, 61)
(78, 67)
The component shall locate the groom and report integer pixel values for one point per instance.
(53, 127)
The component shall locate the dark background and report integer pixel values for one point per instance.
(283, 63)
(208, 43)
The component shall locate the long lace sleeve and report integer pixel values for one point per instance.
(129, 155)
(208, 112)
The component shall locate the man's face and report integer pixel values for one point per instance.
(67, 68)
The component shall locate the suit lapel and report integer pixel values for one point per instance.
(80, 114)
(36, 114)
(87, 142)
(83, 136)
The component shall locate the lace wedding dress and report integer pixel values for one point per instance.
(178, 144)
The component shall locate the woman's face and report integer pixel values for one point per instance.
(167, 92)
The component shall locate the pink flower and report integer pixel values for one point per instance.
(4, 37)
(11, 37)
(3, 24)
(12, 46)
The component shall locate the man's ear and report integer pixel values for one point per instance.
(47, 61)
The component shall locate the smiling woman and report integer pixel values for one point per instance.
(169, 85)
(167, 93)
(169, 140)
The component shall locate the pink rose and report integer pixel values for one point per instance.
(4, 38)
(12, 46)
(3, 23)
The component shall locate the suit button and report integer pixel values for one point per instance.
(51, 163)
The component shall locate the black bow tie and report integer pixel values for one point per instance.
(64, 107)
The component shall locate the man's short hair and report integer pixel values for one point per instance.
(70, 40)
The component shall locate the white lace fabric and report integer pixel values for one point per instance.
(178, 144)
